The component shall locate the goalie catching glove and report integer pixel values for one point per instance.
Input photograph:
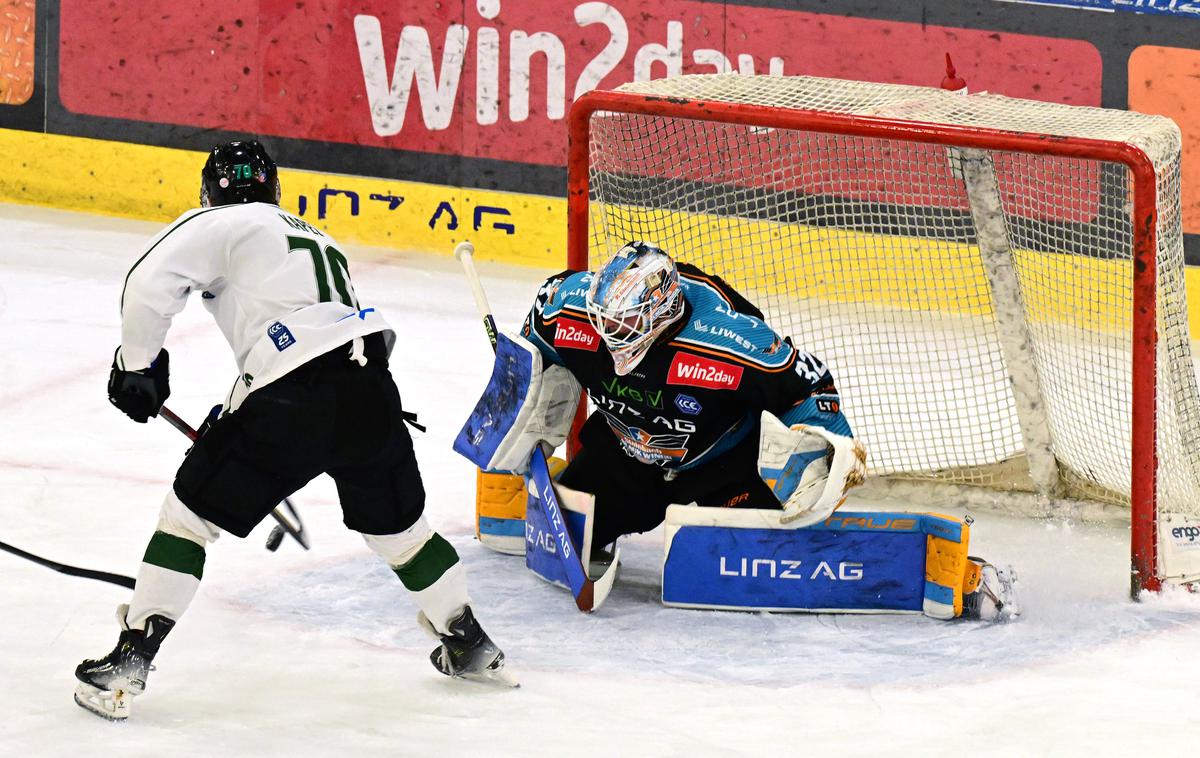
(809, 468)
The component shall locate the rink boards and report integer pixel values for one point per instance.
(78, 173)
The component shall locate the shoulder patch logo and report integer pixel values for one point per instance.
(576, 335)
(698, 371)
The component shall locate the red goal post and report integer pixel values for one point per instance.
(602, 210)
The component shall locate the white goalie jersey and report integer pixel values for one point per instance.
(278, 287)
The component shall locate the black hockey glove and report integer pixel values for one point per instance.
(139, 394)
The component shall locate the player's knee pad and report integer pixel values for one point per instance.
(177, 519)
(400, 548)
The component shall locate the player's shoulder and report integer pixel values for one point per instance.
(566, 290)
(715, 328)
(239, 215)
(273, 215)
(267, 215)
(700, 283)
(193, 215)
(190, 227)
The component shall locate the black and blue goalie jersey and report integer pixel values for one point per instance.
(703, 385)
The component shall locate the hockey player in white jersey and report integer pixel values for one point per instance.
(313, 395)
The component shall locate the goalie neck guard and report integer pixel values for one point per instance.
(633, 299)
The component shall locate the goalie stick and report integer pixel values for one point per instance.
(293, 526)
(589, 594)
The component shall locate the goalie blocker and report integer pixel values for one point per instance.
(522, 407)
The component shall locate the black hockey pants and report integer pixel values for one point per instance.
(330, 415)
(633, 497)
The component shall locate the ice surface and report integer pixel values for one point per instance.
(318, 653)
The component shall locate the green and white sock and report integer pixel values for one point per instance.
(167, 579)
(436, 578)
(429, 568)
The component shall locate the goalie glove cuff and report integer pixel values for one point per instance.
(809, 468)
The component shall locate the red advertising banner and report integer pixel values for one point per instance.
(491, 78)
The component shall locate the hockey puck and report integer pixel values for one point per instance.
(275, 539)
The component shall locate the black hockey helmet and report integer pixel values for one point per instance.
(239, 172)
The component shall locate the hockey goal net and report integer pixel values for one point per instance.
(997, 284)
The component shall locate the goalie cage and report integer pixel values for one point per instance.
(996, 283)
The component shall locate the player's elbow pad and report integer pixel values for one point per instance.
(524, 403)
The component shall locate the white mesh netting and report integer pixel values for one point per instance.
(867, 252)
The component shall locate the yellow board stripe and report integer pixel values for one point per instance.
(158, 184)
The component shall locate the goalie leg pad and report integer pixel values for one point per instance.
(500, 504)
(853, 562)
(948, 573)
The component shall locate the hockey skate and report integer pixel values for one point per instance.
(995, 599)
(467, 652)
(106, 686)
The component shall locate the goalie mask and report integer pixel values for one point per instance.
(239, 172)
(633, 299)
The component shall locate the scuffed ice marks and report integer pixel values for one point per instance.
(635, 637)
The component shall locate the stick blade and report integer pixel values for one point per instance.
(594, 593)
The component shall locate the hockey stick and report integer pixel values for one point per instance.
(464, 253)
(294, 527)
(62, 568)
(589, 595)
